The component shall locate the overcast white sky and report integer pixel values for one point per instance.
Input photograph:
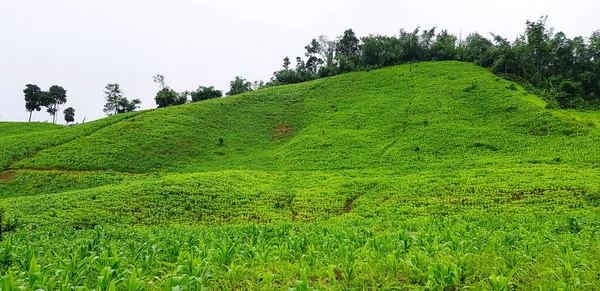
(83, 45)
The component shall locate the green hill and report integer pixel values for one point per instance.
(433, 176)
(14, 128)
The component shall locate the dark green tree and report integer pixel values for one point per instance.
(167, 97)
(313, 53)
(69, 114)
(536, 58)
(125, 105)
(33, 99)
(426, 40)
(477, 49)
(444, 47)
(53, 98)
(286, 63)
(348, 52)
(506, 60)
(116, 103)
(410, 47)
(238, 86)
(380, 51)
(348, 44)
(112, 95)
(289, 76)
(204, 93)
(182, 98)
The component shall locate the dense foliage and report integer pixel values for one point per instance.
(205, 93)
(53, 98)
(116, 102)
(238, 86)
(35, 99)
(566, 71)
(69, 114)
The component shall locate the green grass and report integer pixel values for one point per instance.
(12, 128)
(23, 142)
(318, 186)
(357, 121)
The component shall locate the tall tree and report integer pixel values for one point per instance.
(52, 99)
(112, 96)
(33, 99)
(409, 43)
(313, 51)
(476, 48)
(379, 51)
(348, 52)
(506, 59)
(160, 80)
(69, 115)
(238, 86)
(537, 49)
(348, 43)
(116, 103)
(286, 63)
(444, 47)
(167, 96)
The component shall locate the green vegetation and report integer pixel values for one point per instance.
(25, 140)
(564, 71)
(35, 98)
(13, 128)
(429, 176)
(116, 103)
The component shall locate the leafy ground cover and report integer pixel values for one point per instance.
(25, 141)
(439, 177)
(11, 128)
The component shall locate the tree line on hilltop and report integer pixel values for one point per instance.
(564, 71)
(36, 98)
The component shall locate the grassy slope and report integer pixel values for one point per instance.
(357, 133)
(336, 147)
(12, 128)
(22, 142)
(357, 121)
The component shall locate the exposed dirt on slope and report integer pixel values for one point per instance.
(282, 129)
(6, 177)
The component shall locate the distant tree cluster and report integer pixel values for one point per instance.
(169, 97)
(36, 98)
(204, 93)
(565, 71)
(116, 102)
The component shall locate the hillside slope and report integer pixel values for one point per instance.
(19, 140)
(437, 177)
(307, 152)
(458, 115)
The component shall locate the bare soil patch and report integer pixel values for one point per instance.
(282, 129)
